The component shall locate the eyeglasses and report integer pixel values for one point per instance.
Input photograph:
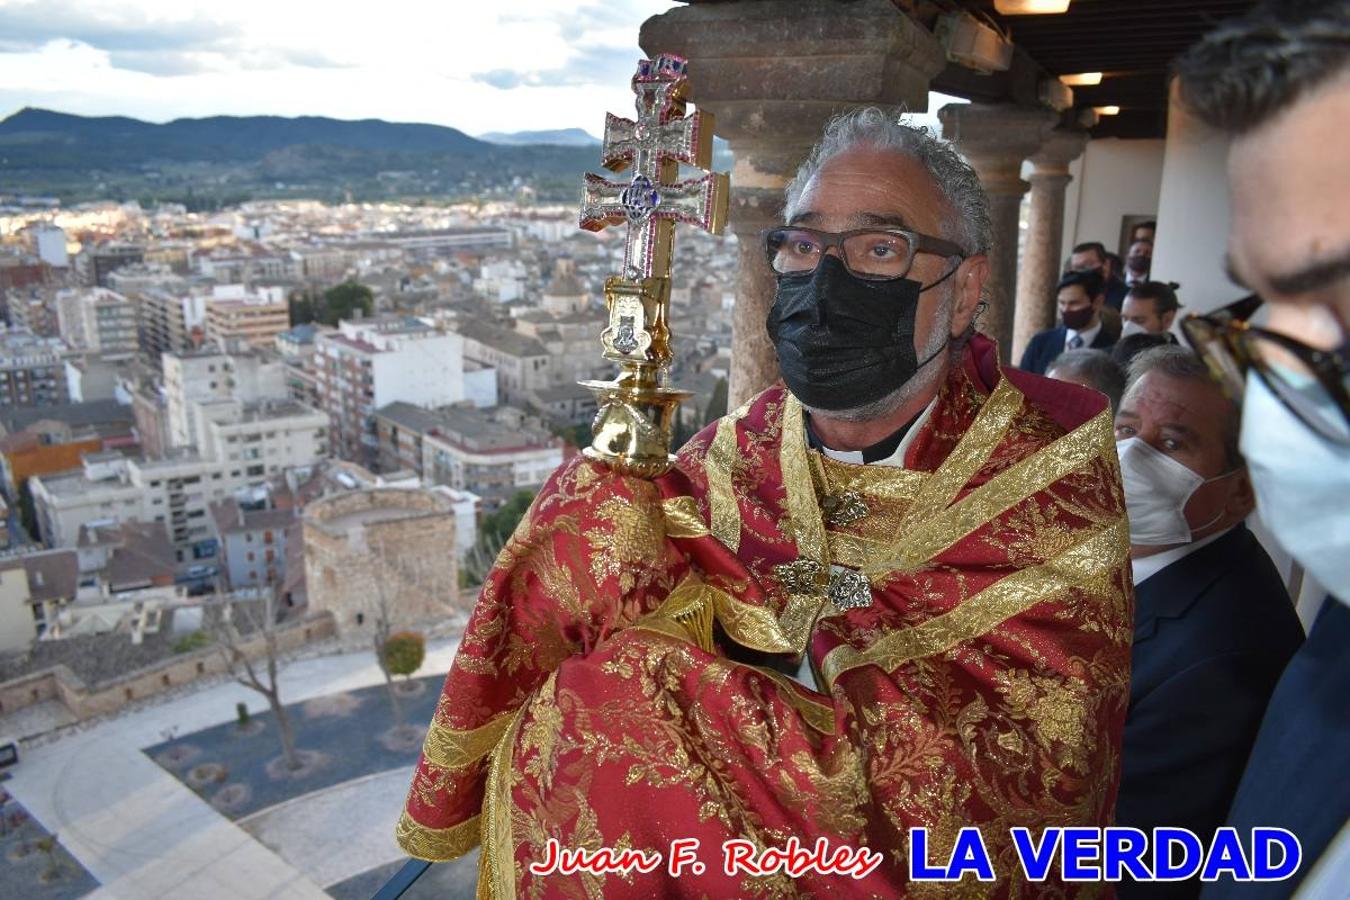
(874, 254)
(1313, 384)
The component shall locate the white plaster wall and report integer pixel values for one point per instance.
(1113, 178)
(1193, 214)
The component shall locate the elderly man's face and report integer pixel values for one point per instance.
(1290, 237)
(1143, 311)
(863, 188)
(1190, 421)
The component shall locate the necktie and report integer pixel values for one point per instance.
(1076, 342)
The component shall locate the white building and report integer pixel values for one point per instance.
(99, 320)
(368, 364)
(216, 374)
(242, 445)
(171, 321)
(51, 245)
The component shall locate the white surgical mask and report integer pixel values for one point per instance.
(1130, 328)
(1156, 490)
(1302, 483)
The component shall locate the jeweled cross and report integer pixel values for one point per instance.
(654, 145)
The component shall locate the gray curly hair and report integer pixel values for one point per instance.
(967, 222)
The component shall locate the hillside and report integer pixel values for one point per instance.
(220, 159)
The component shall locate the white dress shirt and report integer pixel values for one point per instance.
(1148, 566)
(1088, 335)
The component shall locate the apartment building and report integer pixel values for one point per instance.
(368, 364)
(255, 315)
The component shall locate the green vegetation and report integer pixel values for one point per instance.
(241, 712)
(717, 403)
(337, 303)
(194, 640)
(404, 652)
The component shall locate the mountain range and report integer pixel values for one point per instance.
(210, 161)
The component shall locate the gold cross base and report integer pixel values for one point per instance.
(633, 426)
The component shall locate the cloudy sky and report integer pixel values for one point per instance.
(506, 65)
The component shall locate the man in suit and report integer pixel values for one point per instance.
(1277, 83)
(1080, 312)
(1214, 626)
(1091, 256)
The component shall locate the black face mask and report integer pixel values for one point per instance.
(842, 341)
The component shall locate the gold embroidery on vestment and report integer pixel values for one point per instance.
(1032, 475)
(969, 455)
(1103, 551)
(682, 518)
(721, 463)
(436, 844)
(454, 748)
(497, 862)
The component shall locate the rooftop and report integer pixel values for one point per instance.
(53, 575)
(76, 415)
(505, 340)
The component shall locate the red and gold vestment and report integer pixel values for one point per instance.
(611, 688)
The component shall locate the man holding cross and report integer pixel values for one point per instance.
(890, 592)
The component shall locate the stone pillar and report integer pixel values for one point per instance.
(995, 139)
(1039, 272)
(773, 73)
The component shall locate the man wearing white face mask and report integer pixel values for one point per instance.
(1278, 83)
(1214, 626)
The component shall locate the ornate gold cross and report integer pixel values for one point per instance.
(633, 425)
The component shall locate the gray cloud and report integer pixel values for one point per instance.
(595, 65)
(137, 43)
(590, 62)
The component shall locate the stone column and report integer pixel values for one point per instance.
(1039, 272)
(995, 139)
(773, 73)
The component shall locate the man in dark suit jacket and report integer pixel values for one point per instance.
(1082, 326)
(1214, 626)
(1091, 256)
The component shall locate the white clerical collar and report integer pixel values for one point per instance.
(1148, 566)
(1088, 336)
(897, 458)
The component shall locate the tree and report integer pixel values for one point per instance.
(260, 619)
(391, 573)
(341, 301)
(717, 403)
(404, 652)
(499, 525)
(301, 307)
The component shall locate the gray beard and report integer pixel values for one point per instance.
(922, 380)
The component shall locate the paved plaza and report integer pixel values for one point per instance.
(142, 834)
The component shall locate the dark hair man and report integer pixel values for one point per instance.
(1080, 300)
(1091, 256)
(1277, 81)
(1144, 231)
(1150, 308)
(1092, 369)
(1138, 262)
(1213, 623)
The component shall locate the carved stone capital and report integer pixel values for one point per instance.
(773, 73)
(1061, 147)
(996, 139)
